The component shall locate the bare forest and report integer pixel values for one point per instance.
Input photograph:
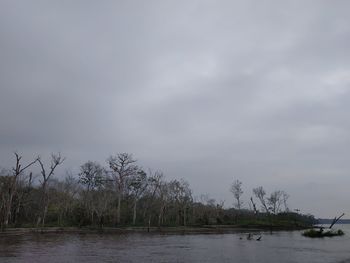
(121, 193)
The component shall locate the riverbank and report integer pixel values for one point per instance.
(206, 229)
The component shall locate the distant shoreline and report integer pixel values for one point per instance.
(207, 229)
(329, 221)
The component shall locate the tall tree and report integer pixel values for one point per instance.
(56, 160)
(285, 197)
(155, 180)
(138, 185)
(260, 193)
(122, 166)
(164, 199)
(236, 190)
(274, 201)
(91, 176)
(183, 196)
(11, 185)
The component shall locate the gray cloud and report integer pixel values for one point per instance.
(203, 90)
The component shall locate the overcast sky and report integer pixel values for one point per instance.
(209, 91)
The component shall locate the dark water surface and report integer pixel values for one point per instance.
(88, 248)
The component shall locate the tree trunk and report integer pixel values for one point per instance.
(185, 223)
(9, 206)
(44, 205)
(160, 216)
(134, 212)
(118, 209)
(8, 211)
(44, 215)
(149, 223)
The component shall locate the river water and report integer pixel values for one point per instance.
(90, 248)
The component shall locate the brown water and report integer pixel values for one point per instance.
(88, 248)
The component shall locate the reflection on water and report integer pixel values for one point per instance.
(278, 247)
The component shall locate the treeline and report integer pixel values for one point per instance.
(124, 194)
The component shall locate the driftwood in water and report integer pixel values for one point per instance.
(335, 220)
(321, 233)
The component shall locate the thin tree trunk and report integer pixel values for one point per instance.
(8, 210)
(149, 223)
(161, 215)
(44, 215)
(8, 206)
(44, 205)
(184, 215)
(118, 209)
(134, 212)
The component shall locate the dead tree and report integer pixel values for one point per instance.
(91, 176)
(254, 206)
(260, 193)
(122, 166)
(164, 197)
(285, 197)
(236, 190)
(275, 200)
(56, 160)
(12, 189)
(182, 196)
(138, 185)
(155, 180)
(335, 220)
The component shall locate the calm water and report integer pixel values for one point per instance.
(88, 248)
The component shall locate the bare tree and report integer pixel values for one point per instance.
(91, 176)
(274, 201)
(137, 184)
(236, 190)
(164, 198)
(11, 185)
(155, 180)
(285, 197)
(63, 196)
(122, 166)
(254, 206)
(56, 160)
(260, 193)
(183, 196)
(71, 189)
(102, 203)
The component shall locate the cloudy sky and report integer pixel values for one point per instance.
(203, 90)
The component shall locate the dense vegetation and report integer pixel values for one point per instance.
(123, 194)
